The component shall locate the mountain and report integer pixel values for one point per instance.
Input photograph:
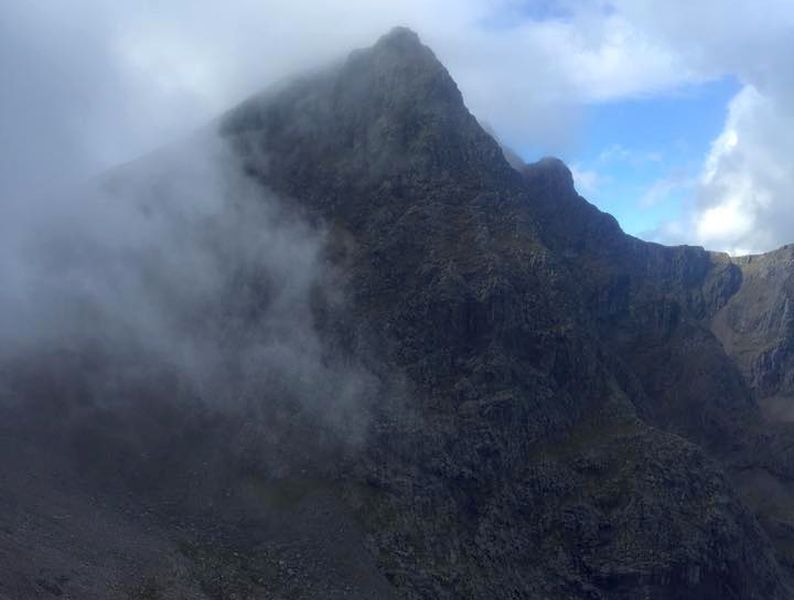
(546, 407)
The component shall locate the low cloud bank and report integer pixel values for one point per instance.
(179, 279)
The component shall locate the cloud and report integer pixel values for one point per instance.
(97, 83)
(179, 267)
(94, 83)
(662, 189)
(587, 181)
(743, 200)
(749, 41)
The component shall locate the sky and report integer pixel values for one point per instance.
(676, 116)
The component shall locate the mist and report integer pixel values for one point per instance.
(175, 282)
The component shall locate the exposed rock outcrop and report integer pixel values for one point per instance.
(561, 410)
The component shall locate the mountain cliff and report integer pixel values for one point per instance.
(554, 409)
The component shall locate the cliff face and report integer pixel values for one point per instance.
(551, 357)
(756, 328)
(652, 305)
(560, 410)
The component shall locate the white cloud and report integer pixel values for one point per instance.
(93, 83)
(662, 189)
(587, 181)
(117, 79)
(743, 202)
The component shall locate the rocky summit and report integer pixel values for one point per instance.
(545, 407)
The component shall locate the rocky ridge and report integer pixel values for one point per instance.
(563, 411)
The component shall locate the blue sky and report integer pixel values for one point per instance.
(640, 159)
(677, 116)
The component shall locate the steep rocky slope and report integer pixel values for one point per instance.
(558, 410)
(517, 312)
(757, 325)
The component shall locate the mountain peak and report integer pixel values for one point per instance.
(390, 110)
(403, 336)
(551, 171)
(556, 168)
(400, 37)
(400, 49)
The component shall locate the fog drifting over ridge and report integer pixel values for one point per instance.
(179, 267)
(92, 84)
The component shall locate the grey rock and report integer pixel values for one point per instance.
(561, 411)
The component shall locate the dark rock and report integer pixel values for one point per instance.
(538, 338)
(562, 410)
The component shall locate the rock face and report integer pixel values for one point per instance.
(549, 354)
(563, 411)
(757, 325)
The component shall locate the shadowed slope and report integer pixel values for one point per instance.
(549, 405)
(522, 464)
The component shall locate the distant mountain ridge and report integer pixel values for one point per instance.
(561, 410)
